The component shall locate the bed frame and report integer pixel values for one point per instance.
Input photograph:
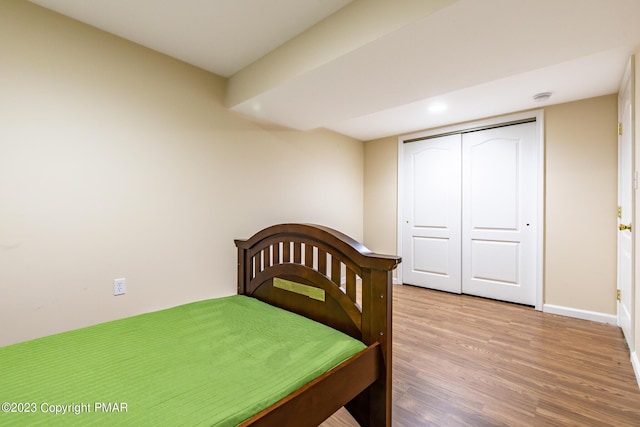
(321, 273)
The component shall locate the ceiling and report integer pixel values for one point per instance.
(375, 68)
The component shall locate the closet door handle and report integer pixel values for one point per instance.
(623, 227)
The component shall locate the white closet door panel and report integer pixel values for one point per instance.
(431, 255)
(499, 168)
(493, 166)
(431, 227)
(431, 194)
(495, 261)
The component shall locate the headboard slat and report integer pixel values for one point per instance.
(286, 251)
(308, 255)
(322, 261)
(335, 270)
(351, 284)
(297, 252)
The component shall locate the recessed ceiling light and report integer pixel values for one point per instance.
(542, 96)
(437, 107)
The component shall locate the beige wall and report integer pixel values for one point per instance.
(116, 161)
(381, 184)
(581, 171)
(581, 203)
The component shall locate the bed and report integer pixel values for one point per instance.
(308, 333)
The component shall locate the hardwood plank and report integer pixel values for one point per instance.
(465, 361)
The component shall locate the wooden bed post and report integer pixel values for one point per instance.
(373, 407)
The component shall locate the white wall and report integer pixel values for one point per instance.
(116, 161)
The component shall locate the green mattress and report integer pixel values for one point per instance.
(214, 362)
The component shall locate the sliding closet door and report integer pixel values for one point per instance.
(499, 193)
(431, 208)
(470, 206)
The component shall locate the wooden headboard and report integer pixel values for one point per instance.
(335, 272)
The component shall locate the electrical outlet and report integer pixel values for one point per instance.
(119, 286)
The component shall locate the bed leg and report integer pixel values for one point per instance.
(369, 408)
(359, 408)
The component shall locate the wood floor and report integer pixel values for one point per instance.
(465, 361)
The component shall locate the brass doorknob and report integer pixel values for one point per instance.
(623, 227)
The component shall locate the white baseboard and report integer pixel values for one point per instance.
(594, 316)
(635, 362)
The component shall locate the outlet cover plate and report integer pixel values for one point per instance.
(119, 286)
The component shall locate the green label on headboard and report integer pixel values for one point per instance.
(299, 288)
